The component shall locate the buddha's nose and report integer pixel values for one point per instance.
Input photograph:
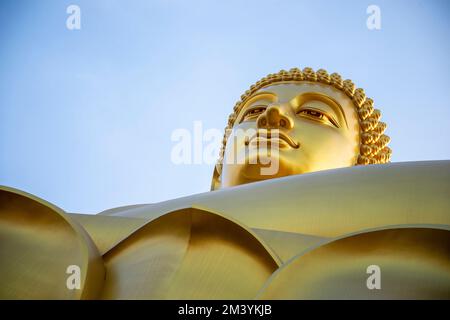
(274, 118)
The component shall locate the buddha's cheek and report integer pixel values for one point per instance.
(326, 148)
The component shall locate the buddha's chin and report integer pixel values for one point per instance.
(265, 168)
(259, 167)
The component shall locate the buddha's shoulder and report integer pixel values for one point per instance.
(326, 204)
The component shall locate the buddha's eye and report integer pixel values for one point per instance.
(253, 113)
(317, 115)
(312, 113)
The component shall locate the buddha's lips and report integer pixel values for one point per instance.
(264, 134)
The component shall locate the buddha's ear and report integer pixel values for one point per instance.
(215, 183)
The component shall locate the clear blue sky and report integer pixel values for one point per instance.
(86, 116)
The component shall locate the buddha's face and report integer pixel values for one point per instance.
(301, 127)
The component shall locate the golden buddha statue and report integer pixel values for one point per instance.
(333, 210)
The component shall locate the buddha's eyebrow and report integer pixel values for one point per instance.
(257, 96)
(264, 92)
(333, 104)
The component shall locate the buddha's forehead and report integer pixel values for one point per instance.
(287, 91)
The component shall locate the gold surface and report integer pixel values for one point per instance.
(105, 232)
(38, 241)
(288, 244)
(414, 264)
(186, 255)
